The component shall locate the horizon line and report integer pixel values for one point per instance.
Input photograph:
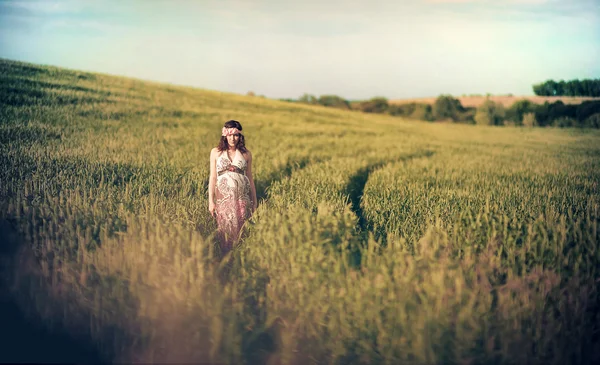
(257, 94)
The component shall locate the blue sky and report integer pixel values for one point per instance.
(283, 48)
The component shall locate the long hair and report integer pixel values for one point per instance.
(241, 144)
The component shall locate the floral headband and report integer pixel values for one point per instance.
(229, 131)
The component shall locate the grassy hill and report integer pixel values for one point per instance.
(377, 240)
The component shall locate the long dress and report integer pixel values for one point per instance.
(233, 204)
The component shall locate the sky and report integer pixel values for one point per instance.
(283, 48)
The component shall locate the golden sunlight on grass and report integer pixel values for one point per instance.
(376, 240)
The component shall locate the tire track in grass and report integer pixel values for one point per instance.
(355, 191)
(263, 342)
(262, 188)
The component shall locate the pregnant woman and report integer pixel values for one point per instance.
(231, 190)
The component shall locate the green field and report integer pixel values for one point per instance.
(377, 240)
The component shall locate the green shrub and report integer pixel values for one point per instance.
(547, 113)
(308, 99)
(398, 109)
(374, 105)
(565, 122)
(587, 109)
(403, 110)
(490, 113)
(333, 101)
(467, 116)
(518, 109)
(422, 112)
(593, 121)
(447, 107)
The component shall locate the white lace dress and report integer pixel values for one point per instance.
(232, 193)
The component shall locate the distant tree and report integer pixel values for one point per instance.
(568, 88)
(468, 116)
(422, 111)
(447, 107)
(411, 110)
(542, 112)
(402, 110)
(586, 109)
(560, 88)
(518, 109)
(560, 109)
(587, 87)
(576, 88)
(333, 101)
(541, 89)
(374, 105)
(546, 113)
(308, 99)
(250, 93)
(490, 113)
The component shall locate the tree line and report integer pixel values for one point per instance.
(447, 108)
(587, 87)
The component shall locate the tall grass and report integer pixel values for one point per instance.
(376, 240)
